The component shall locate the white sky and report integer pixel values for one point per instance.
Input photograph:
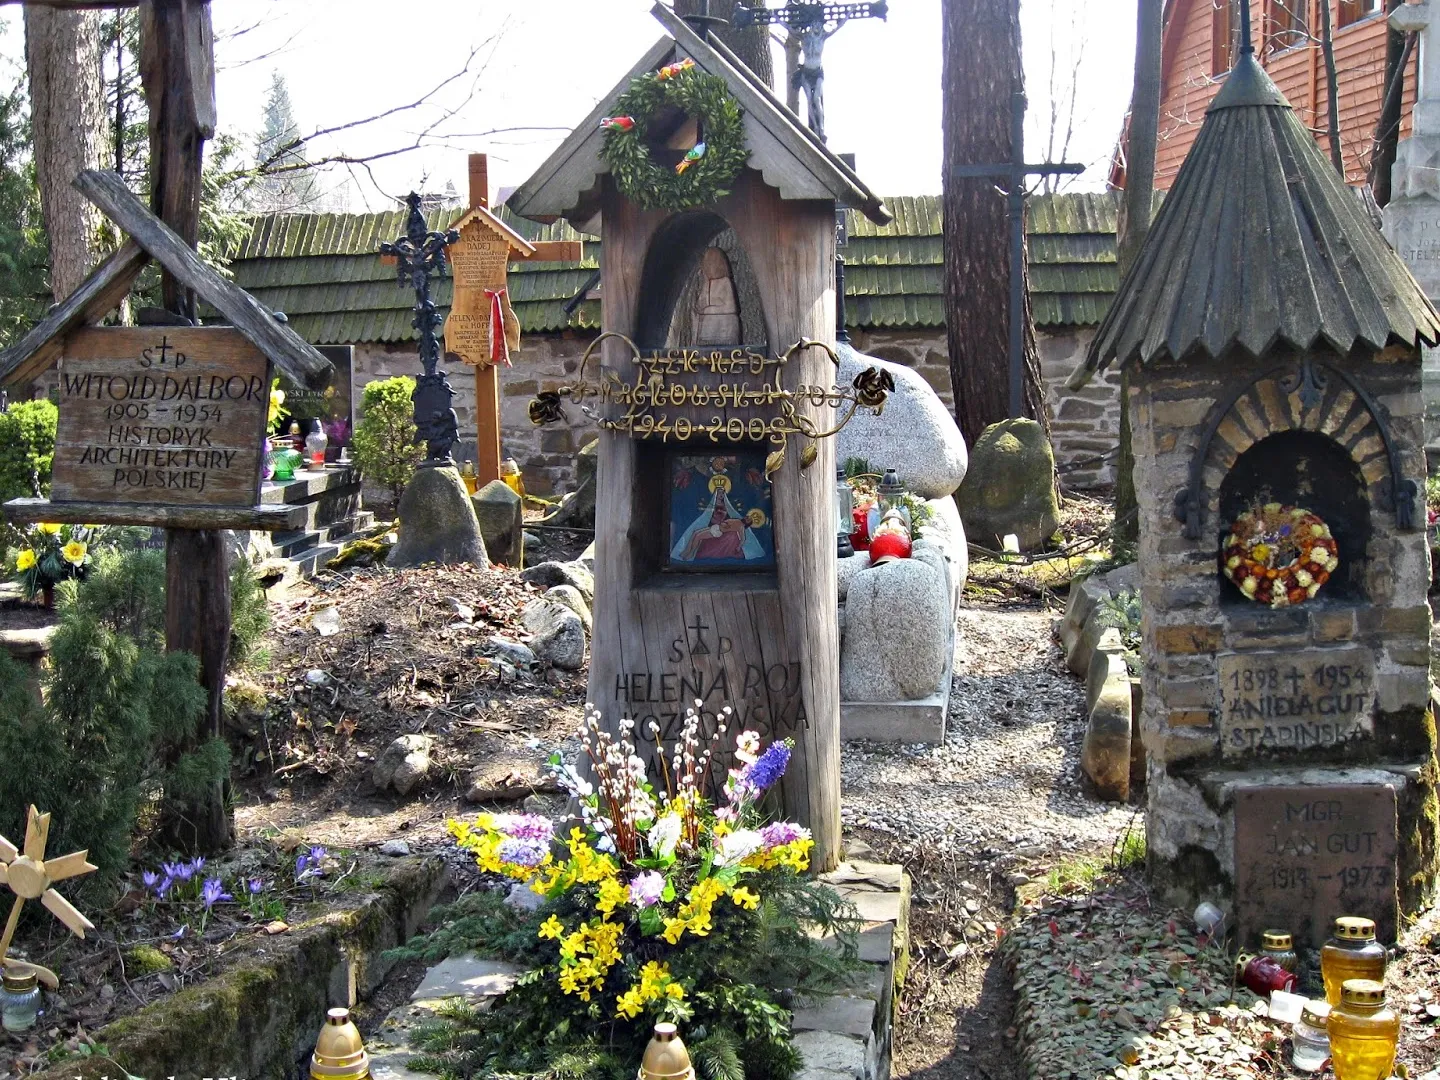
(543, 64)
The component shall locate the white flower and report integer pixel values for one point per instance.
(664, 835)
(738, 846)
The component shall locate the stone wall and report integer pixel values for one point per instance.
(1085, 424)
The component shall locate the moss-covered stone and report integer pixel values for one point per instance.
(147, 960)
(1010, 486)
(259, 1018)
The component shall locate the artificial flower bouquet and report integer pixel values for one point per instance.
(50, 554)
(662, 903)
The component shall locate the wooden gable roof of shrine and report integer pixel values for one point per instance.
(782, 149)
(111, 281)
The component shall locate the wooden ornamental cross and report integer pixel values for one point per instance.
(31, 877)
(482, 329)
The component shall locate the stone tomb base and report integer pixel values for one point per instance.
(1302, 846)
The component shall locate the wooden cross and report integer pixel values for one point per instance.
(31, 877)
(1014, 173)
(481, 305)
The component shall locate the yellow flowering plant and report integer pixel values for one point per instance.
(46, 554)
(671, 900)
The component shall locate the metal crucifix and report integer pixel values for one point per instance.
(1015, 172)
(814, 22)
(418, 254)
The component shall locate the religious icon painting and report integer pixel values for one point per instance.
(720, 512)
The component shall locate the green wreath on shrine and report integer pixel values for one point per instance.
(703, 179)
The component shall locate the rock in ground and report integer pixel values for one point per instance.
(502, 522)
(404, 763)
(569, 596)
(437, 522)
(915, 434)
(549, 574)
(559, 634)
(897, 633)
(512, 651)
(1105, 753)
(510, 777)
(577, 508)
(1010, 487)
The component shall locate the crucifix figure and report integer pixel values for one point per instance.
(1013, 173)
(419, 254)
(813, 22)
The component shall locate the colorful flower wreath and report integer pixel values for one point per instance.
(1280, 555)
(705, 173)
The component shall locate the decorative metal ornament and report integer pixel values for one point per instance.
(30, 877)
(419, 253)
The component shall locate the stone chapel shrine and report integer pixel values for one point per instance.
(1272, 341)
(715, 521)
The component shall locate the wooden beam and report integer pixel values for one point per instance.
(554, 251)
(256, 518)
(100, 293)
(290, 353)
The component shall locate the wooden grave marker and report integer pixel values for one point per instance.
(479, 264)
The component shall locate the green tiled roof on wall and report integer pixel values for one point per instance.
(323, 271)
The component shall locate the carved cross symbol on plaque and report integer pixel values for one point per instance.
(699, 648)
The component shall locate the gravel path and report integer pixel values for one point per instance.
(1008, 775)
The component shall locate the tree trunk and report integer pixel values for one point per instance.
(67, 109)
(1135, 212)
(982, 73)
(1332, 90)
(1387, 132)
(751, 44)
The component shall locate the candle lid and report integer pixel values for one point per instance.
(1362, 992)
(21, 982)
(1315, 1013)
(1349, 928)
(1276, 939)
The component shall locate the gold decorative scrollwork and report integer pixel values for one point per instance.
(650, 391)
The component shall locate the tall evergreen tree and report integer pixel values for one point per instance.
(24, 251)
(286, 183)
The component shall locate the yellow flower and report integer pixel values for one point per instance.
(551, 928)
(743, 897)
(611, 894)
(25, 560)
(74, 552)
(673, 929)
(49, 529)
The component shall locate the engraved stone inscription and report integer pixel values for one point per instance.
(161, 415)
(1297, 699)
(1304, 855)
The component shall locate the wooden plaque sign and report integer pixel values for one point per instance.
(479, 262)
(162, 416)
(1305, 855)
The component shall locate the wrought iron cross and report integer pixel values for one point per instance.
(419, 253)
(814, 22)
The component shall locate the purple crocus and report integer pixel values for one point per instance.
(646, 889)
(256, 886)
(166, 884)
(197, 865)
(213, 892)
(177, 871)
(150, 879)
(317, 856)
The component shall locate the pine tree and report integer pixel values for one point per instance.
(24, 251)
(285, 183)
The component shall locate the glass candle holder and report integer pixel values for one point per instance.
(1310, 1041)
(1363, 1032)
(1351, 953)
(19, 1001)
(1280, 947)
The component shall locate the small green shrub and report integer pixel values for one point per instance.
(249, 617)
(384, 445)
(115, 730)
(27, 447)
(1122, 611)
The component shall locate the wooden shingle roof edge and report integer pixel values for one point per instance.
(109, 283)
(783, 150)
(1258, 246)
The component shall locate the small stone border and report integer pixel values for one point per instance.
(258, 1020)
(844, 1037)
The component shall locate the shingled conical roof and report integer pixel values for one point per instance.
(1260, 244)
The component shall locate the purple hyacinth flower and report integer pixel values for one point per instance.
(520, 852)
(213, 892)
(646, 888)
(781, 832)
(769, 766)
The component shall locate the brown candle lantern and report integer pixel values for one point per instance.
(666, 1057)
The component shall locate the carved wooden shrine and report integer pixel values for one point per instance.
(715, 520)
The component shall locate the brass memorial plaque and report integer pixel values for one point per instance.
(1305, 855)
(1295, 699)
(164, 415)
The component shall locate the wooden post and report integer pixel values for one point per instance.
(487, 376)
(177, 64)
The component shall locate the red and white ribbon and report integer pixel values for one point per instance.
(499, 347)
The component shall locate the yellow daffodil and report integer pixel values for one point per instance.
(74, 552)
(49, 529)
(25, 560)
